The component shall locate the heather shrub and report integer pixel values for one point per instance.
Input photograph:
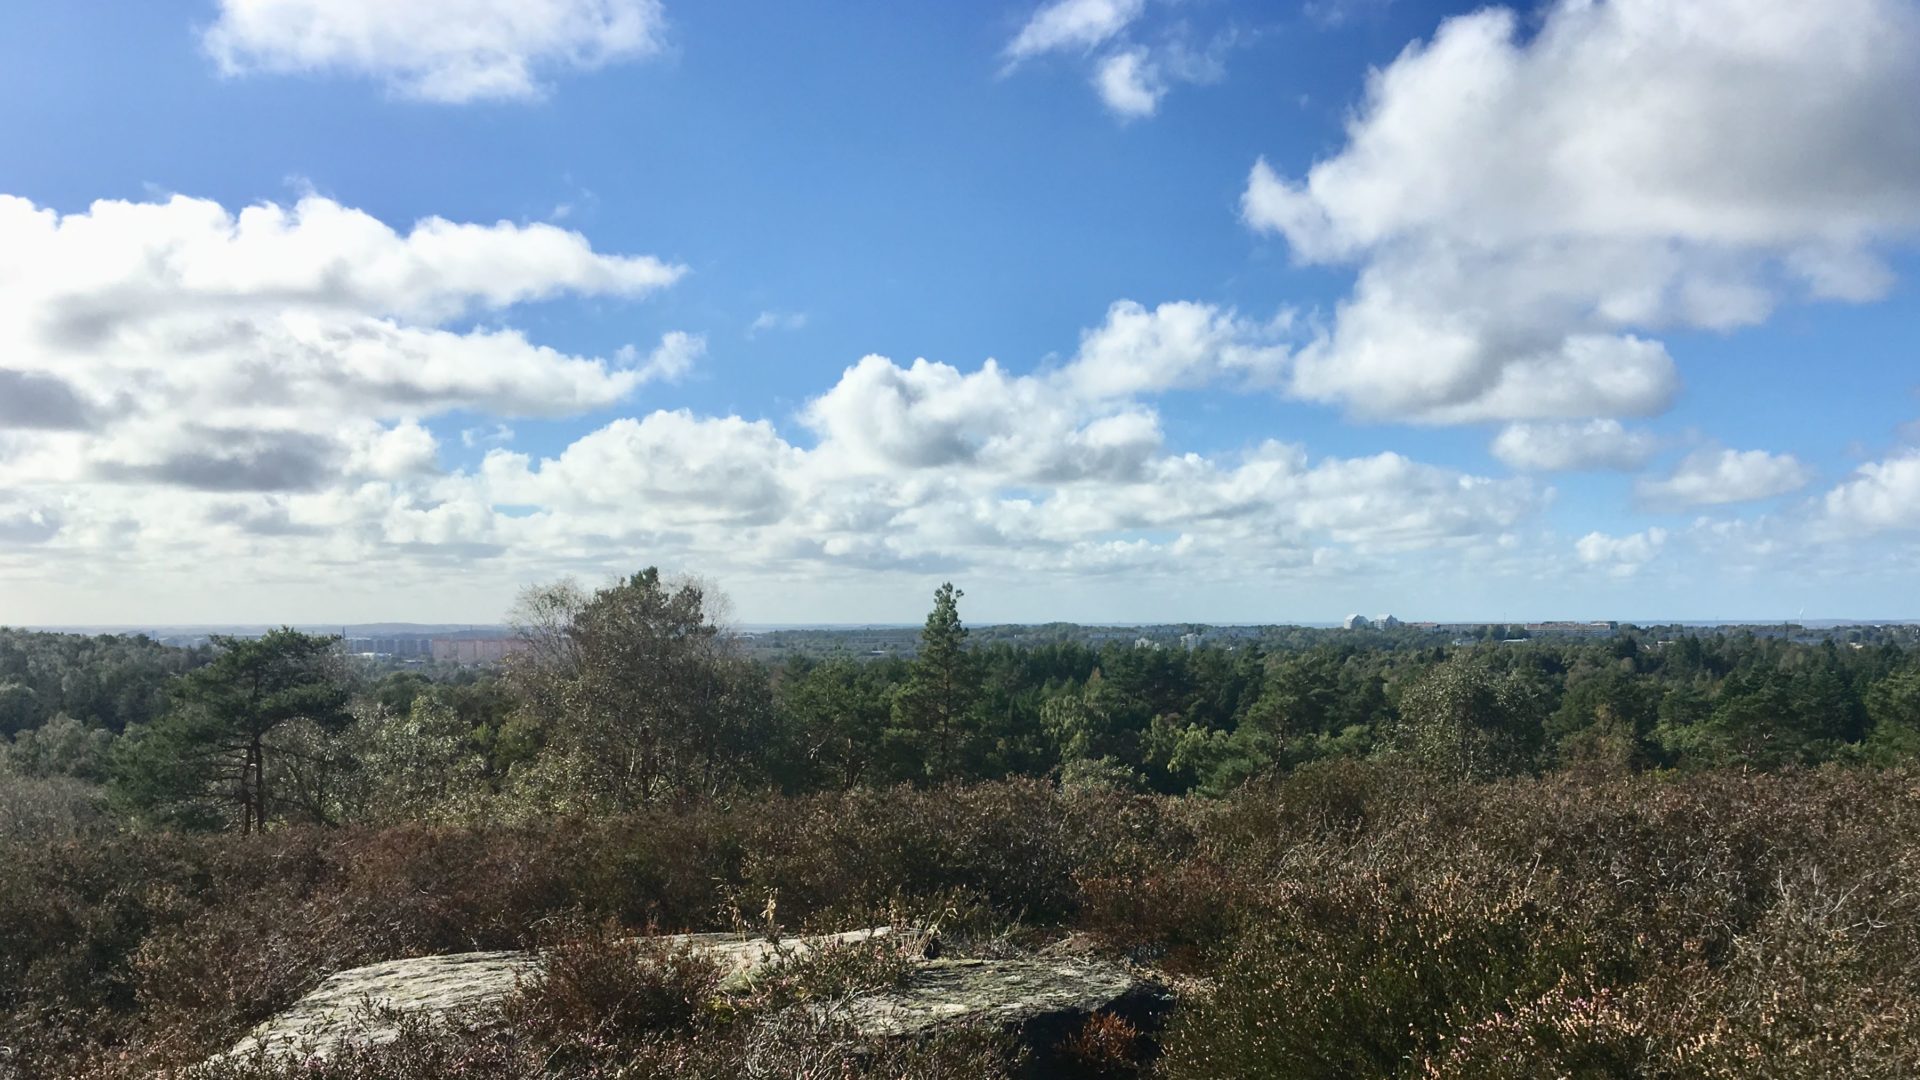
(1717, 925)
(606, 985)
(1105, 1048)
(1350, 919)
(829, 974)
(1362, 974)
(49, 809)
(1007, 843)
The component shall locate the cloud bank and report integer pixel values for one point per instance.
(1523, 211)
(267, 391)
(446, 51)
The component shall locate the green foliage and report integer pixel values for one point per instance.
(1466, 720)
(110, 681)
(1893, 704)
(248, 731)
(62, 746)
(424, 764)
(837, 717)
(635, 694)
(934, 709)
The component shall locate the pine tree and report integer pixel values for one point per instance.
(935, 706)
(215, 743)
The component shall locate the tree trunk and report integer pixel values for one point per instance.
(259, 785)
(249, 787)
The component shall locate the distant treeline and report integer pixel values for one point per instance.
(106, 682)
(632, 695)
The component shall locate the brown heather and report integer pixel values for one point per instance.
(1353, 920)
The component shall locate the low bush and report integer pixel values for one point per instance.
(605, 985)
(1353, 919)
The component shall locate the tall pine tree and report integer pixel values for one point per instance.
(935, 707)
(216, 743)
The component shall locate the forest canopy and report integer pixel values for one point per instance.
(638, 692)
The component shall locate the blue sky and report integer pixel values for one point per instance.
(1564, 310)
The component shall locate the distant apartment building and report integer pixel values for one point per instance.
(476, 650)
(1597, 629)
(404, 648)
(1355, 622)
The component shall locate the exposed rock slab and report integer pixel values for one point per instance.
(1041, 1001)
(365, 1003)
(426, 984)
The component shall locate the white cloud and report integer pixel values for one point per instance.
(452, 51)
(1714, 477)
(1131, 76)
(737, 493)
(122, 262)
(1521, 206)
(1565, 447)
(671, 360)
(1073, 25)
(231, 395)
(1623, 556)
(394, 453)
(882, 419)
(669, 469)
(1177, 344)
(269, 373)
(1882, 495)
(776, 320)
(1130, 83)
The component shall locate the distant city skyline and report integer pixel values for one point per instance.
(1109, 311)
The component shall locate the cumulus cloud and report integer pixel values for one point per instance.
(669, 466)
(236, 393)
(205, 458)
(1081, 419)
(1622, 556)
(1130, 83)
(1882, 495)
(1715, 477)
(278, 315)
(273, 371)
(735, 489)
(406, 449)
(452, 51)
(1566, 447)
(1177, 344)
(1524, 209)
